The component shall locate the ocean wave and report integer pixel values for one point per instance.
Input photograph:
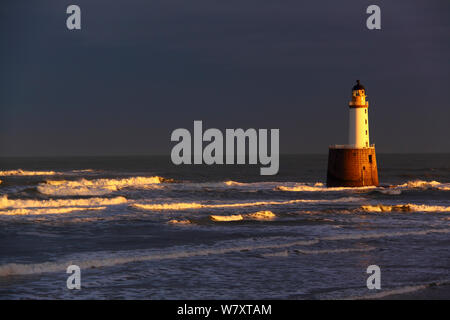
(24, 211)
(409, 207)
(285, 253)
(118, 258)
(398, 291)
(259, 215)
(22, 203)
(389, 191)
(318, 187)
(420, 184)
(233, 217)
(180, 222)
(26, 207)
(125, 257)
(278, 254)
(331, 251)
(197, 205)
(380, 235)
(254, 186)
(392, 190)
(20, 172)
(234, 183)
(98, 187)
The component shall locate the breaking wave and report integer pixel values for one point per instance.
(140, 256)
(125, 257)
(392, 190)
(260, 215)
(20, 172)
(96, 187)
(331, 251)
(318, 186)
(180, 222)
(234, 183)
(378, 235)
(405, 208)
(24, 211)
(399, 291)
(420, 184)
(19, 203)
(25, 207)
(233, 217)
(197, 205)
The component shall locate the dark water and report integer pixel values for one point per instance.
(140, 227)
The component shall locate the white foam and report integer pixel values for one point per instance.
(318, 187)
(331, 251)
(180, 222)
(125, 257)
(397, 291)
(22, 203)
(234, 183)
(27, 207)
(409, 207)
(197, 205)
(261, 215)
(118, 258)
(378, 235)
(20, 172)
(233, 217)
(420, 184)
(84, 187)
(393, 190)
(24, 211)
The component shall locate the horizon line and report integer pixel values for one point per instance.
(168, 155)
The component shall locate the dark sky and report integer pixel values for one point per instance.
(139, 69)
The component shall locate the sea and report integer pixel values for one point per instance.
(142, 228)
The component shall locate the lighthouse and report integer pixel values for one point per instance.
(354, 164)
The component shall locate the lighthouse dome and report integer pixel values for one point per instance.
(358, 86)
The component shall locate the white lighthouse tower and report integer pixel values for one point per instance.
(358, 125)
(354, 164)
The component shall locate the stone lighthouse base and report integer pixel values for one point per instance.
(352, 167)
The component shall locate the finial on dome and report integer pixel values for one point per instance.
(358, 86)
